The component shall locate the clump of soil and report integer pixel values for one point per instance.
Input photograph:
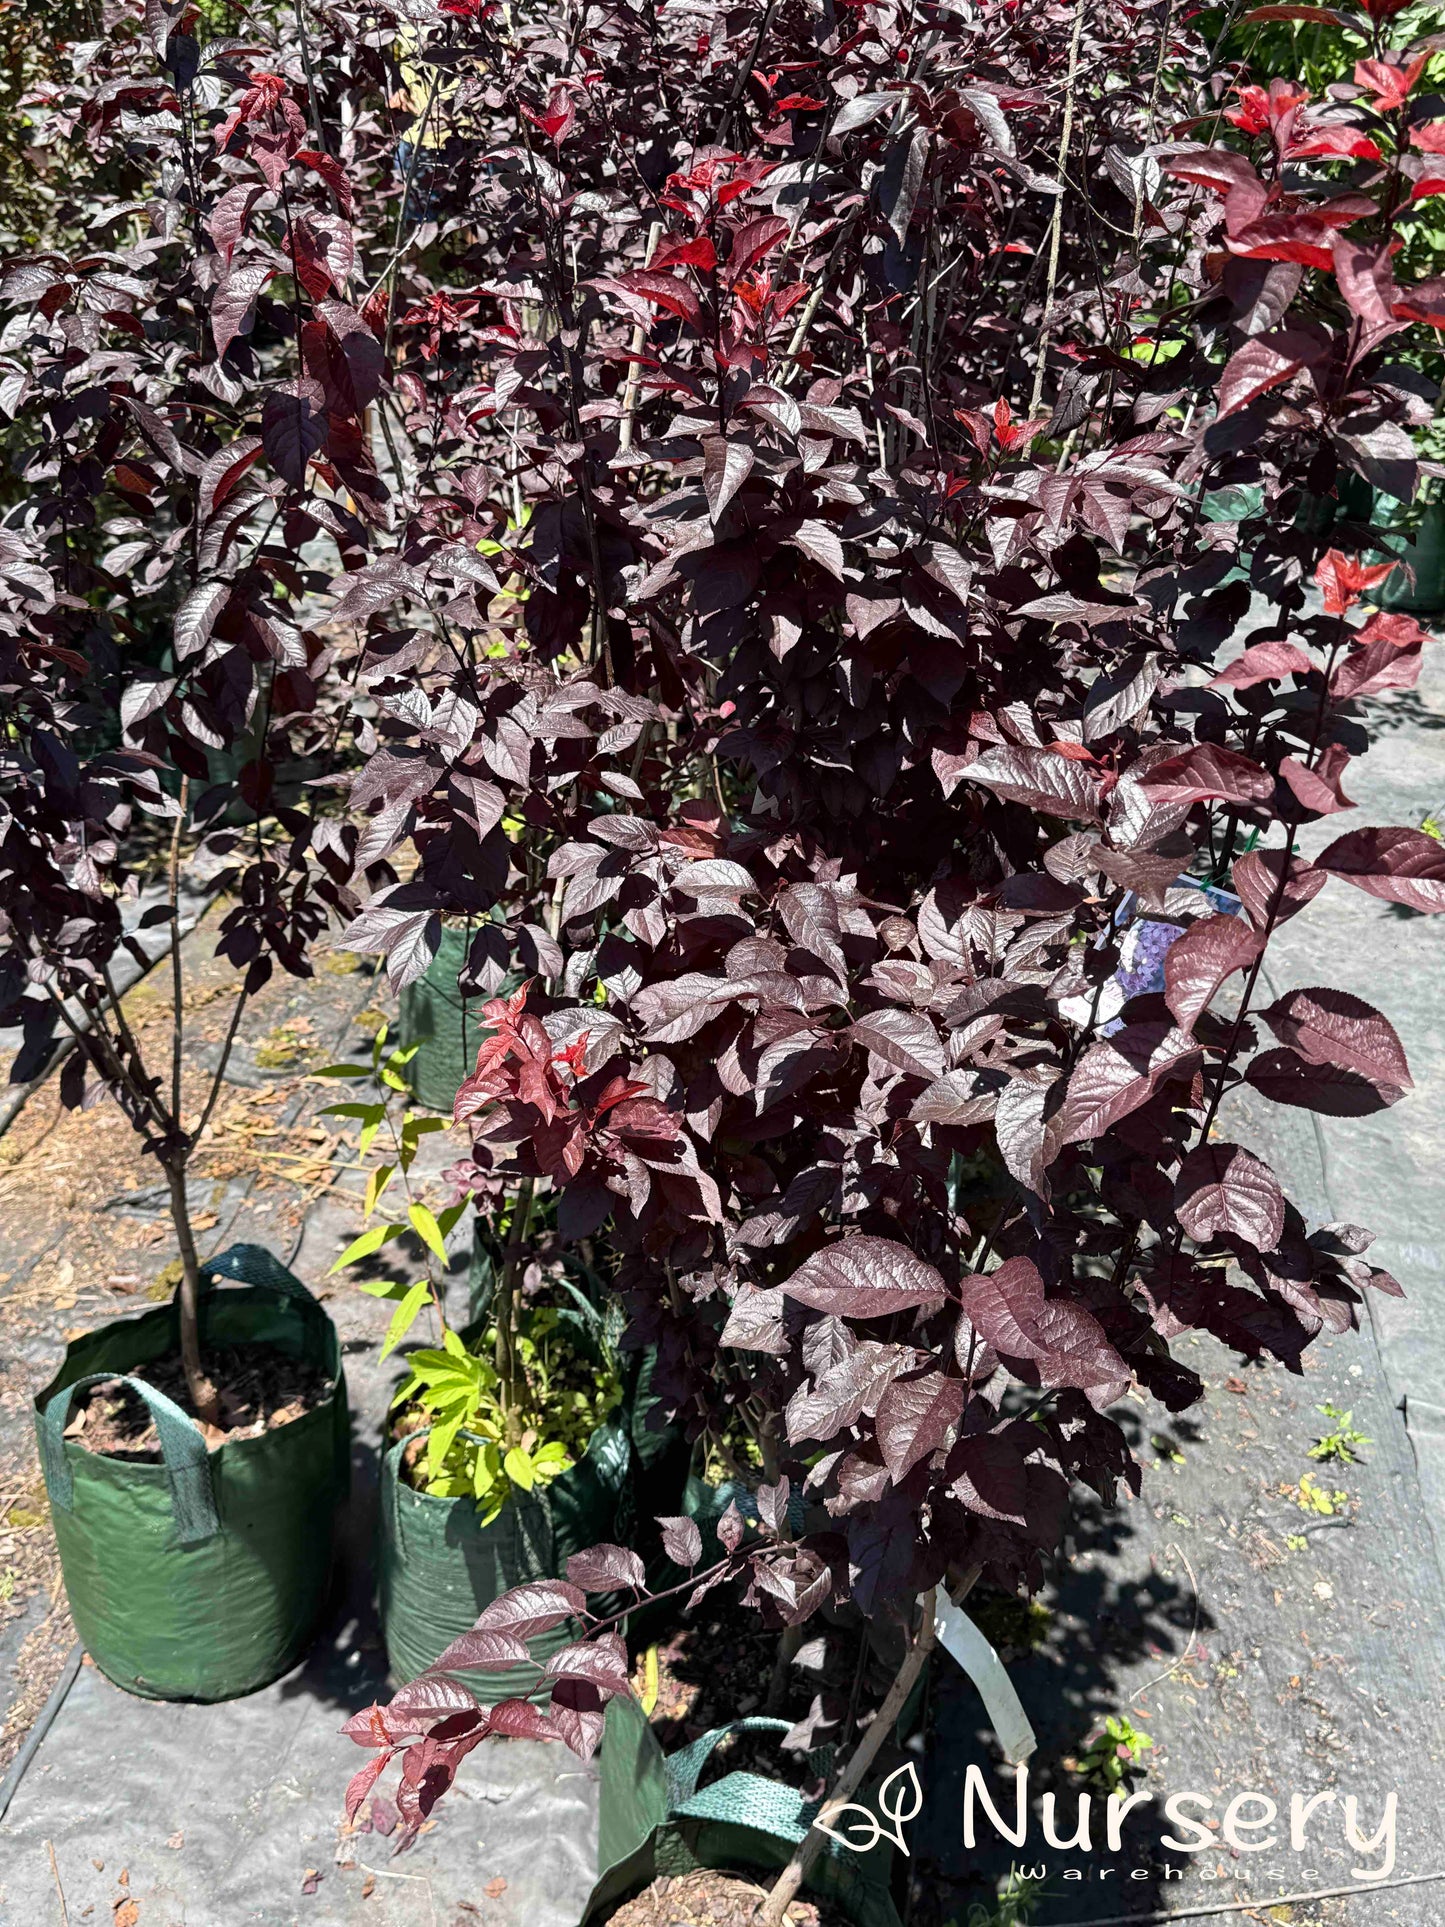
(260, 1388)
(708, 1899)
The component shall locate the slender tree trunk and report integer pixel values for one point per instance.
(773, 1911)
(188, 1299)
(791, 1637)
(790, 1642)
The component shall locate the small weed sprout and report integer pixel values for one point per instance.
(1338, 1447)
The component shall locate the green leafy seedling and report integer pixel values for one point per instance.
(1314, 1498)
(1019, 1900)
(1338, 1447)
(1115, 1754)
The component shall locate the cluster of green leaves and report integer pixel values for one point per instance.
(456, 1392)
(1318, 53)
(1338, 1445)
(569, 1369)
(1016, 1905)
(433, 1228)
(1314, 1498)
(1114, 1755)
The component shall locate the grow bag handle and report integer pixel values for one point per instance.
(184, 1453)
(253, 1265)
(684, 1768)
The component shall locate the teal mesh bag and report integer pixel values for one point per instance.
(654, 1819)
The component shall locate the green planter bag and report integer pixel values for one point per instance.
(653, 1820)
(438, 1565)
(1424, 552)
(203, 1577)
(444, 1027)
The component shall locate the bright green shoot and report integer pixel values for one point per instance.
(1338, 1446)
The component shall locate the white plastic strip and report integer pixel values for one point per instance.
(959, 1637)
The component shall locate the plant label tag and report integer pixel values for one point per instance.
(960, 1638)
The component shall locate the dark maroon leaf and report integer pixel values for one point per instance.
(1266, 361)
(1257, 883)
(1381, 662)
(681, 1541)
(1319, 789)
(430, 1697)
(772, 1503)
(731, 1528)
(916, 1415)
(1263, 662)
(518, 1719)
(531, 1609)
(223, 470)
(1287, 1078)
(842, 1392)
(726, 466)
(1222, 1190)
(1204, 773)
(1331, 1027)
(233, 309)
(1197, 963)
(904, 1039)
(752, 241)
(989, 1477)
(956, 1098)
(1065, 1343)
(292, 430)
(576, 1715)
(482, 1652)
(362, 354)
(865, 1277)
(1042, 778)
(755, 1322)
(601, 1661)
(1116, 1077)
(604, 1568)
(196, 617)
(1402, 866)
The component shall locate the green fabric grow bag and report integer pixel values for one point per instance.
(1424, 552)
(444, 1026)
(438, 1565)
(203, 1577)
(653, 1820)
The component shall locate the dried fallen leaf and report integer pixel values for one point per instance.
(311, 1881)
(126, 1914)
(494, 1889)
(368, 1886)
